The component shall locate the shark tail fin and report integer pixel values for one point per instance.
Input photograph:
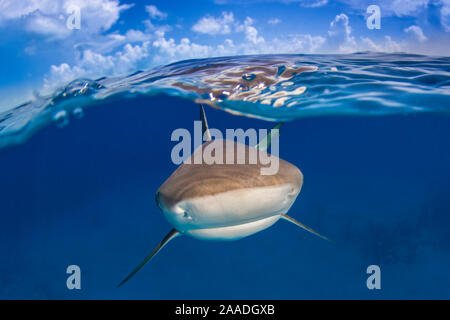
(171, 235)
(205, 129)
(301, 225)
(265, 143)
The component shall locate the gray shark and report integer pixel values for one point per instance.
(226, 201)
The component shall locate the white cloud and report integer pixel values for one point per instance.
(340, 34)
(294, 43)
(124, 53)
(445, 15)
(169, 50)
(12, 9)
(152, 49)
(46, 26)
(121, 53)
(48, 17)
(226, 24)
(392, 46)
(340, 38)
(93, 64)
(158, 49)
(251, 34)
(211, 25)
(313, 3)
(407, 7)
(398, 8)
(154, 12)
(274, 21)
(416, 32)
(136, 36)
(388, 45)
(298, 43)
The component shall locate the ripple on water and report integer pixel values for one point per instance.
(272, 87)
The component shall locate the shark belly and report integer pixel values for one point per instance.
(235, 232)
(233, 214)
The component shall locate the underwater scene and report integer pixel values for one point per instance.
(370, 133)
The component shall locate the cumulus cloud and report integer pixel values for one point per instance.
(227, 24)
(122, 53)
(46, 25)
(388, 45)
(154, 12)
(340, 34)
(406, 7)
(168, 50)
(299, 43)
(251, 33)
(212, 25)
(445, 15)
(48, 17)
(399, 8)
(340, 38)
(158, 49)
(416, 32)
(151, 50)
(114, 53)
(93, 64)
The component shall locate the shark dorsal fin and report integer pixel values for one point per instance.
(205, 130)
(265, 143)
(171, 235)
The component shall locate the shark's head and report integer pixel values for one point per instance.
(227, 201)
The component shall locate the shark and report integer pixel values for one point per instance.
(225, 202)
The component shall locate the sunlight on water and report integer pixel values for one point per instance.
(271, 87)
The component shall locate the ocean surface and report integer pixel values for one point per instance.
(371, 133)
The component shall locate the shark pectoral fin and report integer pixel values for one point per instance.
(265, 143)
(301, 225)
(171, 235)
(205, 130)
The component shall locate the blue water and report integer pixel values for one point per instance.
(373, 143)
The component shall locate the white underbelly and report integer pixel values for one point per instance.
(233, 232)
(233, 214)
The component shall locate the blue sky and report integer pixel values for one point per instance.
(38, 52)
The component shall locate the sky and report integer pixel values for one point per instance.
(45, 44)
